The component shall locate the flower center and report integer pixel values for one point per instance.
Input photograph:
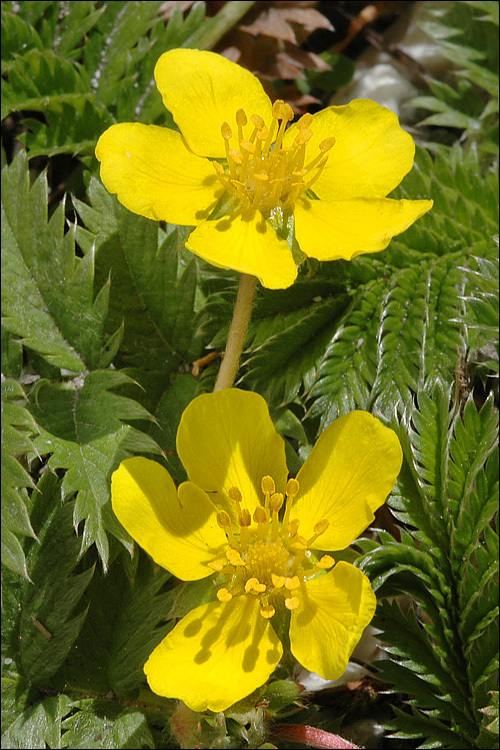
(268, 558)
(261, 172)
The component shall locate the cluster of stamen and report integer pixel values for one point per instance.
(266, 557)
(261, 172)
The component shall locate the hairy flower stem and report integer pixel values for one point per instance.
(215, 28)
(237, 331)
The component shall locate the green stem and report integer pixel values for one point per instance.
(237, 332)
(214, 28)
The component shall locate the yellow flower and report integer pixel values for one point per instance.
(331, 170)
(239, 520)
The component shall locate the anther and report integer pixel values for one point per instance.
(258, 122)
(278, 581)
(325, 562)
(241, 118)
(260, 515)
(223, 595)
(305, 120)
(267, 485)
(223, 519)
(292, 487)
(293, 526)
(303, 137)
(319, 528)
(226, 131)
(292, 583)
(217, 566)
(234, 558)
(247, 146)
(276, 501)
(292, 602)
(327, 144)
(267, 611)
(254, 586)
(299, 543)
(236, 155)
(234, 494)
(245, 519)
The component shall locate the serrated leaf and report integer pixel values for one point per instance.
(152, 291)
(48, 291)
(104, 723)
(81, 426)
(126, 621)
(48, 624)
(18, 427)
(25, 725)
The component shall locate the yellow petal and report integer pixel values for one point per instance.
(216, 655)
(329, 230)
(227, 439)
(371, 155)
(154, 174)
(346, 477)
(202, 90)
(178, 529)
(334, 610)
(248, 244)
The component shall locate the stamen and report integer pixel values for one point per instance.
(234, 494)
(245, 520)
(236, 155)
(325, 562)
(292, 527)
(292, 488)
(267, 611)
(234, 557)
(217, 566)
(278, 581)
(254, 586)
(292, 583)
(223, 595)
(305, 120)
(241, 121)
(319, 529)
(321, 166)
(258, 122)
(292, 602)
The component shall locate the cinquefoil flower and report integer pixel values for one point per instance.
(241, 521)
(331, 170)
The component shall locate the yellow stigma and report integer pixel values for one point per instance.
(262, 173)
(266, 558)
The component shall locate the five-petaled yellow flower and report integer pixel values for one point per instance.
(240, 520)
(331, 170)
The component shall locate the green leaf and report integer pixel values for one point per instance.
(104, 724)
(39, 81)
(126, 620)
(152, 290)
(47, 290)
(81, 425)
(18, 427)
(49, 625)
(26, 725)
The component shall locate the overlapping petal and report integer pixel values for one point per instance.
(329, 230)
(346, 477)
(154, 174)
(178, 528)
(371, 155)
(216, 655)
(227, 439)
(202, 90)
(334, 609)
(248, 244)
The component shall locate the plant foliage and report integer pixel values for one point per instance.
(111, 327)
